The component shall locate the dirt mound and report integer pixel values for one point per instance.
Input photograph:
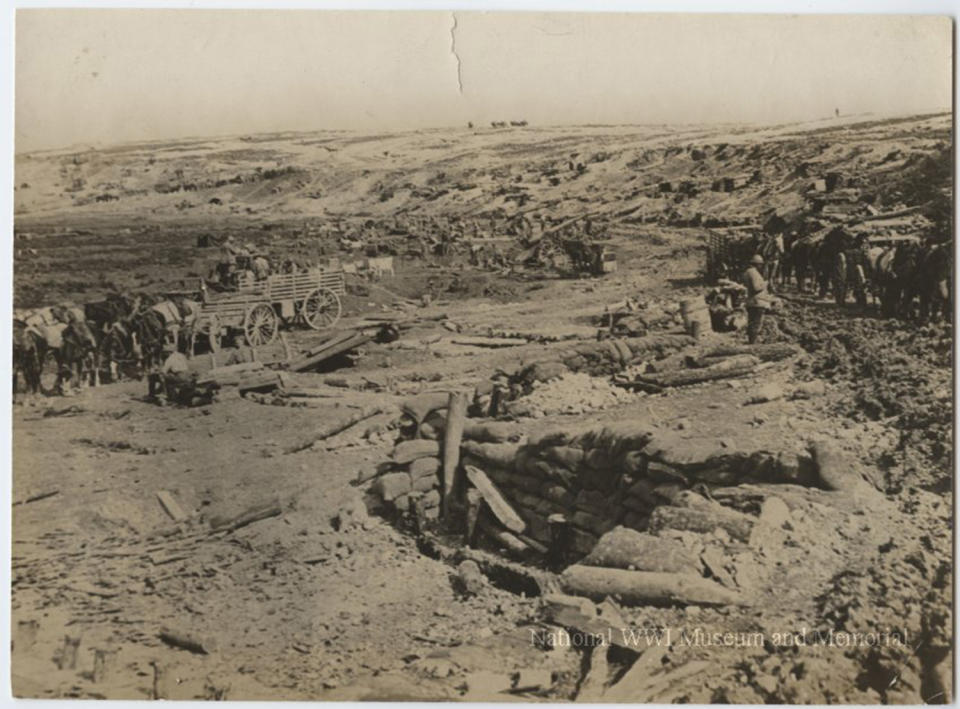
(891, 371)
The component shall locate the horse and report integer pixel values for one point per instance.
(29, 351)
(802, 254)
(903, 286)
(825, 260)
(101, 315)
(857, 268)
(933, 281)
(75, 349)
(772, 250)
(120, 345)
(177, 315)
(147, 335)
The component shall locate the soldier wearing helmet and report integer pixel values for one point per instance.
(757, 297)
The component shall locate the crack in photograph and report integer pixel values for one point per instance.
(482, 356)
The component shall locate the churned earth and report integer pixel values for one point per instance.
(333, 598)
(292, 606)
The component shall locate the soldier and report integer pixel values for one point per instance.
(757, 299)
(171, 375)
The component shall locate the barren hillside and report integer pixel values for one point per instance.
(729, 175)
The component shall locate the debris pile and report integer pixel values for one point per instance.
(571, 393)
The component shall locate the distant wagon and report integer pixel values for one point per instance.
(258, 308)
(728, 253)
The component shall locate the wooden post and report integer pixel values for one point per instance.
(286, 346)
(453, 434)
(496, 397)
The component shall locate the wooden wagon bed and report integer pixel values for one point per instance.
(258, 307)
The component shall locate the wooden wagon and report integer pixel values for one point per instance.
(258, 307)
(728, 253)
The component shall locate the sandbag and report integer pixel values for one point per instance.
(702, 518)
(424, 467)
(623, 548)
(409, 451)
(499, 454)
(567, 456)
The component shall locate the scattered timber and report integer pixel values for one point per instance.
(334, 429)
(683, 377)
(248, 516)
(495, 501)
(773, 352)
(170, 506)
(646, 587)
(453, 435)
(36, 497)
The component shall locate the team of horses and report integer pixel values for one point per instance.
(906, 278)
(119, 335)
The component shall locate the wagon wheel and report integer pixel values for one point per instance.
(209, 327)
(321, 308)
(260, 325)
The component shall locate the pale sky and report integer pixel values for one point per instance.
(105, 76)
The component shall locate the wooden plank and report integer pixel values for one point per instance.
(332, 430)
(170, 506)
(37, 496)
(304, 363)
(452, 437)
(495, 501)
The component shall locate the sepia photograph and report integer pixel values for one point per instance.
(482, 356)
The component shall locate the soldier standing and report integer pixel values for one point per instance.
(757, 300)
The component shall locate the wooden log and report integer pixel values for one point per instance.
(334, 429)
(772, 352)
(231, 374)
(494, 342)
(512, 544)
(452, 437)
(313, 393)
(495, 501)
(170, 506)
(248, 516)
(684, 377)
(266, 380)
(646, 587)
(718, 364)
(309, 361)
(37, 496)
